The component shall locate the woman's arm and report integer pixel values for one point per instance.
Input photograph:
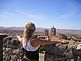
(37, 42)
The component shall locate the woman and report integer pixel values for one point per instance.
(31, 46)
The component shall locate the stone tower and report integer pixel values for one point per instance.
(46, 32)
(53, 31)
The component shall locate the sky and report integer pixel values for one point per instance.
(62, 14)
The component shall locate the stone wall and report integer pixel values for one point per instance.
(12, 49)
(1, 46)
(62, 52)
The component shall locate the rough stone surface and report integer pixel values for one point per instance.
(12, 50)
(1, 45)
(54, 52)
(62, 52)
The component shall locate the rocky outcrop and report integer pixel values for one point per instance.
(12, 50)
(55, 52)
(1, 45)
(62, 52)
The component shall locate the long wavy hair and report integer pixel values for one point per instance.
(29, 28)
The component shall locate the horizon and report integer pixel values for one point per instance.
(62, 14)
(41, 27)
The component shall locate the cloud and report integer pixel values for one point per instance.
(25, 15)
(37, 17)
(22, 13)
(64, 16)
(30, 16)
(5, 14)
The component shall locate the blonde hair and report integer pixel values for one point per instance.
(29, 28)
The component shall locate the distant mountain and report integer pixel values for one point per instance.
(11, 28)
(40, 29)
(68, 31)
(1, 28)
(15, 28)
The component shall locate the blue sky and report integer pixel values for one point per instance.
(63, 14)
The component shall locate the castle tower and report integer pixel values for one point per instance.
(46, 32)
(53, 31)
